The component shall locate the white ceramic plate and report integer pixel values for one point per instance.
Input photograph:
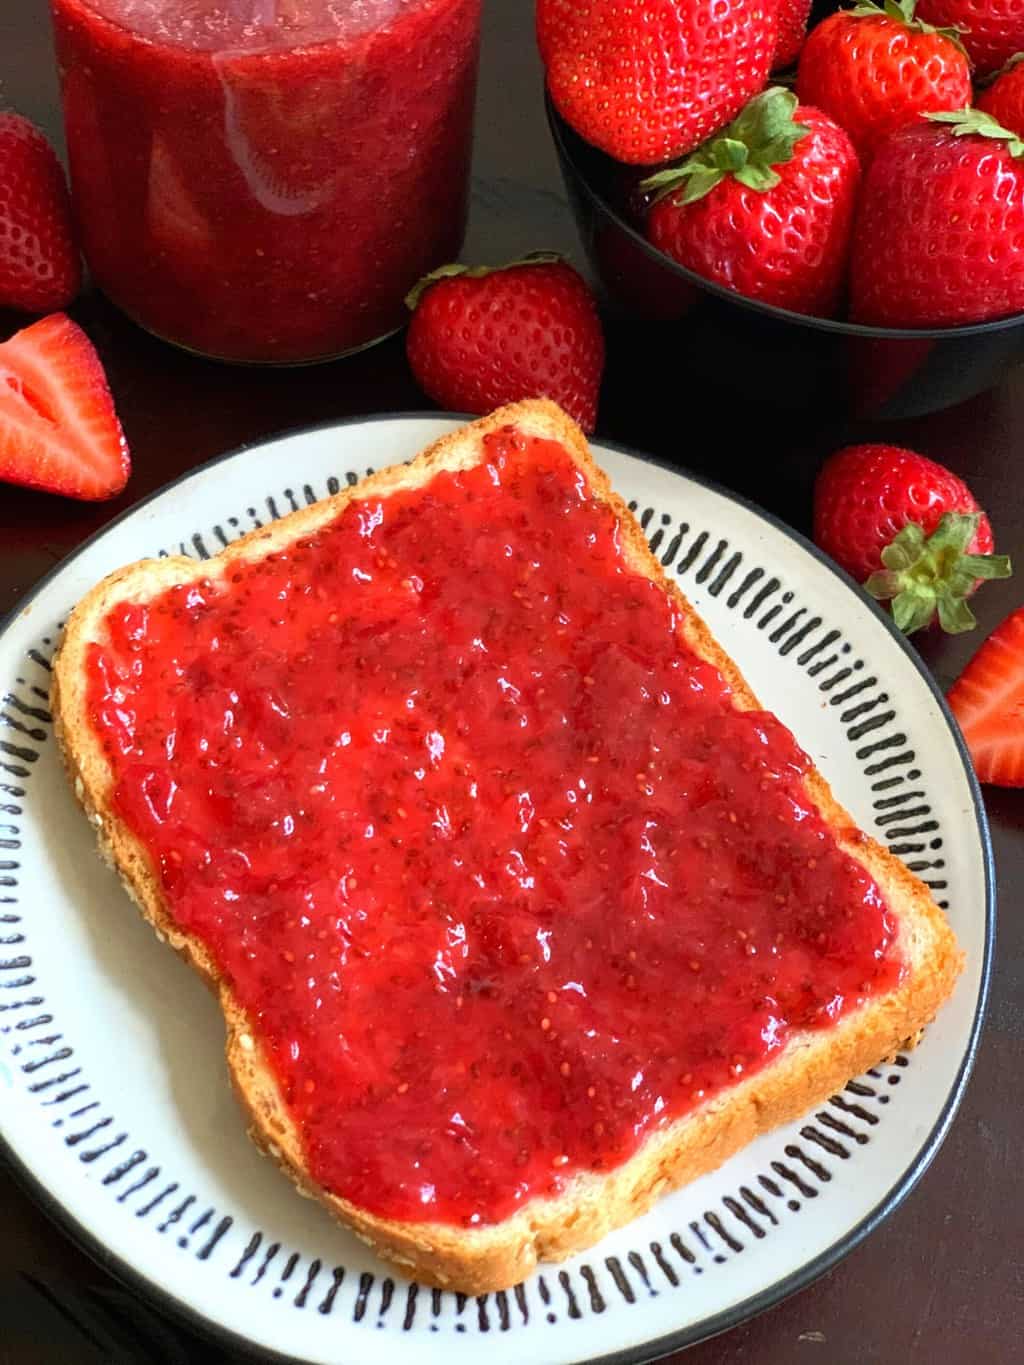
(114, 1104)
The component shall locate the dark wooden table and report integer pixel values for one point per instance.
(942, 1279)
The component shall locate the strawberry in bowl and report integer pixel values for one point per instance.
(1004, 98)
(990, 30)
(765, 207)
(649, 81)
(793, 19)
(877, 69)
(702, 278)
(939, 238)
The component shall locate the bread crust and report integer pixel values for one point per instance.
(810, 1067)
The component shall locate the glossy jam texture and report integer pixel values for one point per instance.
(488, 854)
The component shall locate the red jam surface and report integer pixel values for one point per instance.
(264, 180)
(503, 876)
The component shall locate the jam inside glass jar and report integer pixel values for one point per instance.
(264, 180)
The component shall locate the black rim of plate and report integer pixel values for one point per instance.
(653, 1349)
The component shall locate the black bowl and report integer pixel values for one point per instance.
(758, 352)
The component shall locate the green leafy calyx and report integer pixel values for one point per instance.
(760, 138)
(474, 272)
(902, 12)
(924, 576)
(973, 123)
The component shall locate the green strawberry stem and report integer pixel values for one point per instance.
(474, 272)
(902, 12)
(760, 138)
(925, 575)
(974, 123)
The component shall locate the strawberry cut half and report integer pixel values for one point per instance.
(58, 428)
(988, 702)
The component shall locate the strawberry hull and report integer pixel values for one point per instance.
(271, 199)
(843, 369)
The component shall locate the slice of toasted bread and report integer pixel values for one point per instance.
(808, 1069)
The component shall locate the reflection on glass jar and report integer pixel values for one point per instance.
(263, 180)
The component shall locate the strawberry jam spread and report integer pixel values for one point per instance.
(501, 875)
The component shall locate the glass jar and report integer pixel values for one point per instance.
(263, 180)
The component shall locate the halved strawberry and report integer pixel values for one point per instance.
(988, 702)
(58, 428)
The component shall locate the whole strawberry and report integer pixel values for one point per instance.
(909, 530)
(991, 30)
(40, 269)
(793, 16)
(939, 235)
(874, 70)
(988, 702)
(764, 208)
(482, 337)
(1004, 98)
(649, 80)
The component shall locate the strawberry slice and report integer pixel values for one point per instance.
(988, 702)
(58, 428)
